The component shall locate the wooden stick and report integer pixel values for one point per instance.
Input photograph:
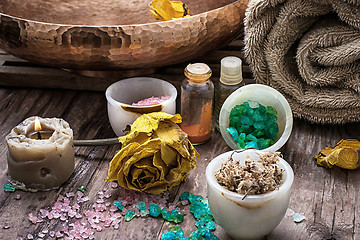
(97, 142)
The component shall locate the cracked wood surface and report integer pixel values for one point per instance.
(327, 197)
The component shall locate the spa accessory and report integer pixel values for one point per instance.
(267, 96)
(247, 216)
(122, 94)
(309, 51)
(197, 96)
(230, 80)
(38, 162)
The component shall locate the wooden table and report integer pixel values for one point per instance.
(328, 198)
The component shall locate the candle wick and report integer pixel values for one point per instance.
(39, 135)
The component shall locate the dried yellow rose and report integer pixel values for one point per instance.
(345, 154)
(168, 10)
(156, 155)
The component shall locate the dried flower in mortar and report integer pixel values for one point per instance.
(253, 177)
(156, 155)
(345, 154)
(168, 10)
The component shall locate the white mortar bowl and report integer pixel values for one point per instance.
(120, 95)
(254, 216)
(266, 96)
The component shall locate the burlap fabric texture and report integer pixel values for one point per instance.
(309, 50)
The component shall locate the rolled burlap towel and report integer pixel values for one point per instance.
(309, 50)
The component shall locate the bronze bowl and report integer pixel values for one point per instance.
(114, 35)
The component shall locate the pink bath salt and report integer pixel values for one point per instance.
(152, 100)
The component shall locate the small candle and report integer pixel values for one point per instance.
(40, 158)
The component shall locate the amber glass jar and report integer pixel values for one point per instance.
(197, 94)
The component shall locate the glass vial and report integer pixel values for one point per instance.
(197, 94)
(230, 80)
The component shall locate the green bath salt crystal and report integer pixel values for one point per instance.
(252, 125)
(154, 210)
(129, 215)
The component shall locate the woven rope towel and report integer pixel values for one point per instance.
(309, 50)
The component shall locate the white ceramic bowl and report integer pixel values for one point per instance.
(256, 215)
(120, 95)
(266, 96)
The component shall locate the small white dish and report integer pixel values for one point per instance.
(122, 94)
(251, 217)
(266, 96)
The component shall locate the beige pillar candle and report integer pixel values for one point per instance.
(43, 160)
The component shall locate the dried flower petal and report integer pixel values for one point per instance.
(345, 154)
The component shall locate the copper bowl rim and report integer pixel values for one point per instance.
(97, 26)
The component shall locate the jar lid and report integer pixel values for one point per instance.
(231, 71)
(198, 72)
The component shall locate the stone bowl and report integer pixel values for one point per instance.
(114, 35)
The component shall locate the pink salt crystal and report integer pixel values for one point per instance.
(71, 213)
(114, 185)
(100, 200)
(41, 235)
(6, 226)
(70, 194)
(116, 226)
(19, 238)
(123, 211)
(76, 206)
(44, 213)
(56, 214)
(45, 231)
(59, 234)
(52, 233)
(152, 100)
(30, 236)
(78, 215)
(85, 199)
(17, 197)
(79, 194)
(107, 195)
(32, 218)
(107, 204)
(63, 217)
(113, 208)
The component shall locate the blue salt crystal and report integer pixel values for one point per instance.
(258, 117)
(8, 187)
(234, 133)
(241, 144)
(194, 198)
(271, 110)
(144, 213)
(172, 216)
(242, 137)
(168, 236)
(141, 205)
(185, 196)
(119, 205)
(251, 144)
(179, 233)
(154, 210)
(245, 120)
(210, 225)
(251, 137)
(258, 133)
(298, 217)
(273, 130)
(264, 143)
(129, 215)
(210, 236)
(259, 125)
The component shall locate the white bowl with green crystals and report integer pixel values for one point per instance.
(266, 96)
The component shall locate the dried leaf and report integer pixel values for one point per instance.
(345, 154)
(168, 10)
(156, 155)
